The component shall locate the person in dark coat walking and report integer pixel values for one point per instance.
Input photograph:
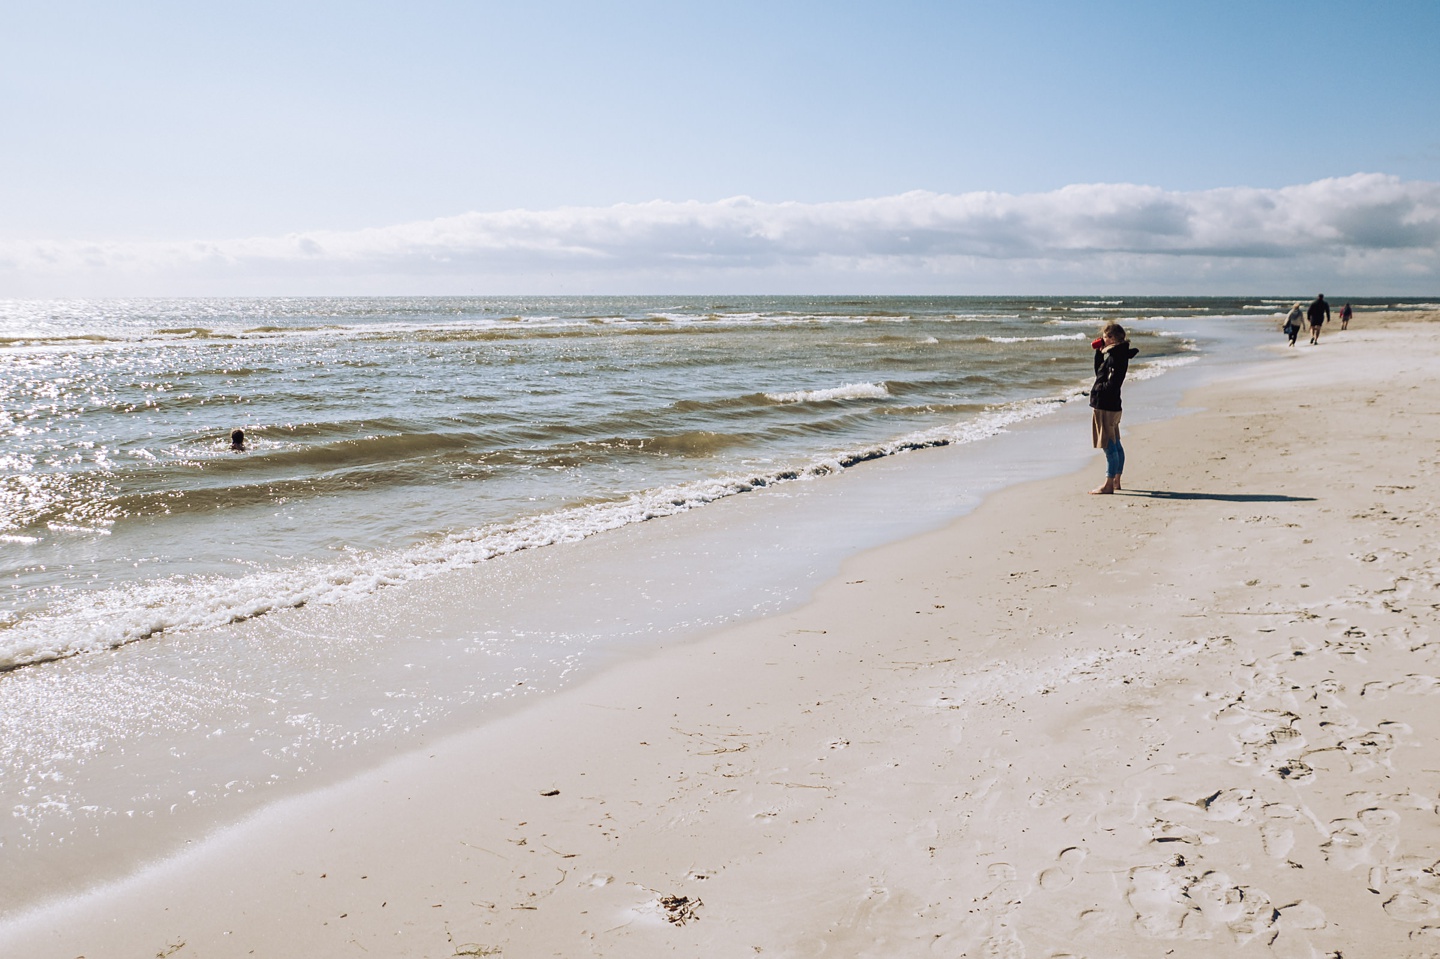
(1113, 353)
(1318, 313)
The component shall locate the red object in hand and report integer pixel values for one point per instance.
(1099, 342)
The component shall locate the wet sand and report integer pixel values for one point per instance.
(1192, 719)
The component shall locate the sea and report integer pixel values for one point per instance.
(187, 628)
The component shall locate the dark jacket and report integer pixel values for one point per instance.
(1319, 311)
(1111, 365)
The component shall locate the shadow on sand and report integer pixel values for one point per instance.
(1220, 497)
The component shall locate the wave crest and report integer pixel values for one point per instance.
(852, 391)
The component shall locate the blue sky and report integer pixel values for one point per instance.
(136, 125)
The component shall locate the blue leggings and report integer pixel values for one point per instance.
(1114, 459)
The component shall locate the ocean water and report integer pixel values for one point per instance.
(440, 510)
(393, 439)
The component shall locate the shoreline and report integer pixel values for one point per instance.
(701, 774)
(261, 711)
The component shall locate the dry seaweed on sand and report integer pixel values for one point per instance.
(680, 909)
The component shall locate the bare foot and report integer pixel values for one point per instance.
(1115, 485)
(1107, 488)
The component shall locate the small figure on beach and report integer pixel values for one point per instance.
(1318, 313)
(1292, 321)
(1113, 353)
(1345, 314)
(237, 441)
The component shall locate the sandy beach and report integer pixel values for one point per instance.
(1196, 718)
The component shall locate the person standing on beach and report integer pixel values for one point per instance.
(1318, 313)
(1292, 321)
(1345, 314)
(1113, 353)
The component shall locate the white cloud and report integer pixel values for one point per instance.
(1377, 233)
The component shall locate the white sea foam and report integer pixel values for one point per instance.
(255, 328)
(114, 617)
(1035, 339)
(1160, 367)
(852, 391)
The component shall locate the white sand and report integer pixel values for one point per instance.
(1194, 719)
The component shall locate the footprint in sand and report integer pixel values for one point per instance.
(1300, 915)
(1269, 741)
(1370, 839)
(1350, 649)
(1411, 907)
(1370, 748)
(1430, 652)
(1335, 720)
(1157, 897)
(1411, 888)
(1062, 873)
(1265, 737)
(1222, 902)
(1004, 946)
(1327, 693)
(1164, 831)
(1277, 832)
(1004, 896)
(1230, 805)
(989, 922)
(1170, 902)
(1293, 770)
(1415, 684)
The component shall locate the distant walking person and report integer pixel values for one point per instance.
(1345, 314)
(1292, 321)
(1318, 313)
(1112, 360)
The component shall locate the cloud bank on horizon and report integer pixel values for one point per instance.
(1367, 233)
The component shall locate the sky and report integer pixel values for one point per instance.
(253, 148)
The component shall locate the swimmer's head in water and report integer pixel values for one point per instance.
(237, 439)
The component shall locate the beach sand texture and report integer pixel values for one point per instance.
(1197, 718)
